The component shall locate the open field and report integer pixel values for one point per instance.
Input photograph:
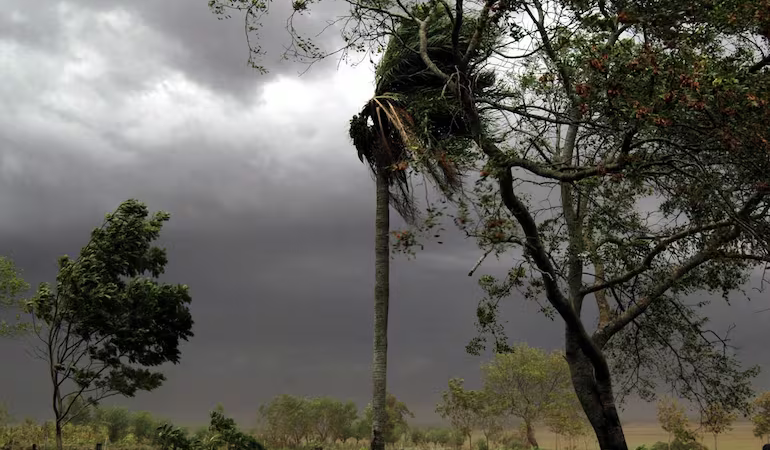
(637, 434)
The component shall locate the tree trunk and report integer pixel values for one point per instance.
(470, 441)
(715, 441)
(531, 435)
(381, 298)
(596, 398)
(59, 443)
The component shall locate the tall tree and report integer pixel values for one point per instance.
(107, 322)
(404, 128)
(649, 122)
(529, 383)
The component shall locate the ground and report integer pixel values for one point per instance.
(740, 438)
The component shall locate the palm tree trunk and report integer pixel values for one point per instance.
(381, 298)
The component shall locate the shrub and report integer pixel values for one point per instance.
(512, 441)
(676, 444)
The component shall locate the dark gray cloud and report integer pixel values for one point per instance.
(282, 285)
(271, 212)
(175, 35)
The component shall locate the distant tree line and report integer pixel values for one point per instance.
(289, 421)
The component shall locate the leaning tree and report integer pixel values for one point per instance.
(624, 156)
(108, 321)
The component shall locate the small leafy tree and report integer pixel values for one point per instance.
(490, 416)
(717, 420)
(460, 407)
(172, 438)
(224, 432)
(418, 437)
(439, 436)
(529, 383)
(287, 420)
(361, 430)
(116, 420)
(80, 413)
(761, 416)
(5, 416)
(565, 417)
(143, 425)
(109, 320)
(11, 285)
(671, 417)
(331, 418)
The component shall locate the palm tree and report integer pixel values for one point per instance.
(409, 124)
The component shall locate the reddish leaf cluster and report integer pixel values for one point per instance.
(583, 90)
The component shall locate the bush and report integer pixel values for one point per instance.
(438, 436)
(513, 442)
(417, 436)
(482, 444)
(676, 444)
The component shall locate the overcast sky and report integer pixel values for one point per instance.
(104, 100)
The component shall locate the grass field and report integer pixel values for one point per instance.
(740, 438)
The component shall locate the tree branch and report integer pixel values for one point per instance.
(424, 51)
(658, 249)
(710, 252)
(760, 64)
(480, 28)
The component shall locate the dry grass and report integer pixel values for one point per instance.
(637, 434)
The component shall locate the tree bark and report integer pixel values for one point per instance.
(381, 299)
(531, 435)
(596, 398)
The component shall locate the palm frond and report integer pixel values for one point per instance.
(413, 119)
